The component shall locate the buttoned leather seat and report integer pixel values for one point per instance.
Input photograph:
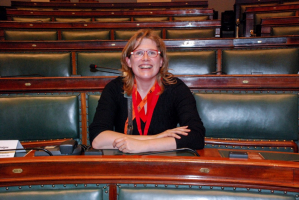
(30, 35)
(35, 64)
(260, 61)
(34, 117)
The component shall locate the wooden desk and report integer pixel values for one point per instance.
(209, 169)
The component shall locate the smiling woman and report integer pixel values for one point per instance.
(160, 103)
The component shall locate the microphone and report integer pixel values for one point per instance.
(94, 67)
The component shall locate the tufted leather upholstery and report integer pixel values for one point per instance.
(57, 192)
(261, 61)
(39, 117)
(85, 35)
(30, 35)
(101, 59)
(249, 116)
(90, 194)
(92, 106)
(190, 34)
(33, 64)
(192, 62)
(178, 194)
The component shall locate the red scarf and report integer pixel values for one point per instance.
(138, 107)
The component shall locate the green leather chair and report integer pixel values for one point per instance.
(34, 117)
(92, 100)
(31, 19)
(30, 35)
(285, 30)
(86, 35)
(260, 61)
(35, 64)
(249, 116)
(190, 33)
(192, 62)
(149, 192)
(58, 192)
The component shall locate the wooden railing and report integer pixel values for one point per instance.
(108, 14)
(110, 26)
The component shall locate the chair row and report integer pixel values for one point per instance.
(250, 120)
(10, 13)
(182, 62)
(11, 30)
(121, 191)
(253, 15)
(241, 6)
(98, 5)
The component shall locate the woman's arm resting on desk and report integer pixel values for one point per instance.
(137, 143)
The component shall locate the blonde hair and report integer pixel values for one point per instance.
(163, 77)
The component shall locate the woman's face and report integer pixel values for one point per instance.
(145, 67)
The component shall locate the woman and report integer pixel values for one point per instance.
(160, 103)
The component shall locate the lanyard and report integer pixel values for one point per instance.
(150, 107)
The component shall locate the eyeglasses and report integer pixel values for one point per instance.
(150, 53)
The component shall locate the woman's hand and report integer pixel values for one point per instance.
(175, 133)
(129, 145)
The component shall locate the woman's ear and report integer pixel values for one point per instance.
(161, 63)
(128, 62)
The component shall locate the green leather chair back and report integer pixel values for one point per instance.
(189, 33)
(249, 116)
(192, 194)
(30, 35)
(261, 61)
(192, 62)
(116, 19)
(259, 16)
(151, 19)
(92, 106)
(101, 59)
(35, 64)
(85, 35)
(31, 19)
(190, 18)
(57, 192)
(39, 117)
(90, 194)
(58, 19)
(285, 30)
(127, 34)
